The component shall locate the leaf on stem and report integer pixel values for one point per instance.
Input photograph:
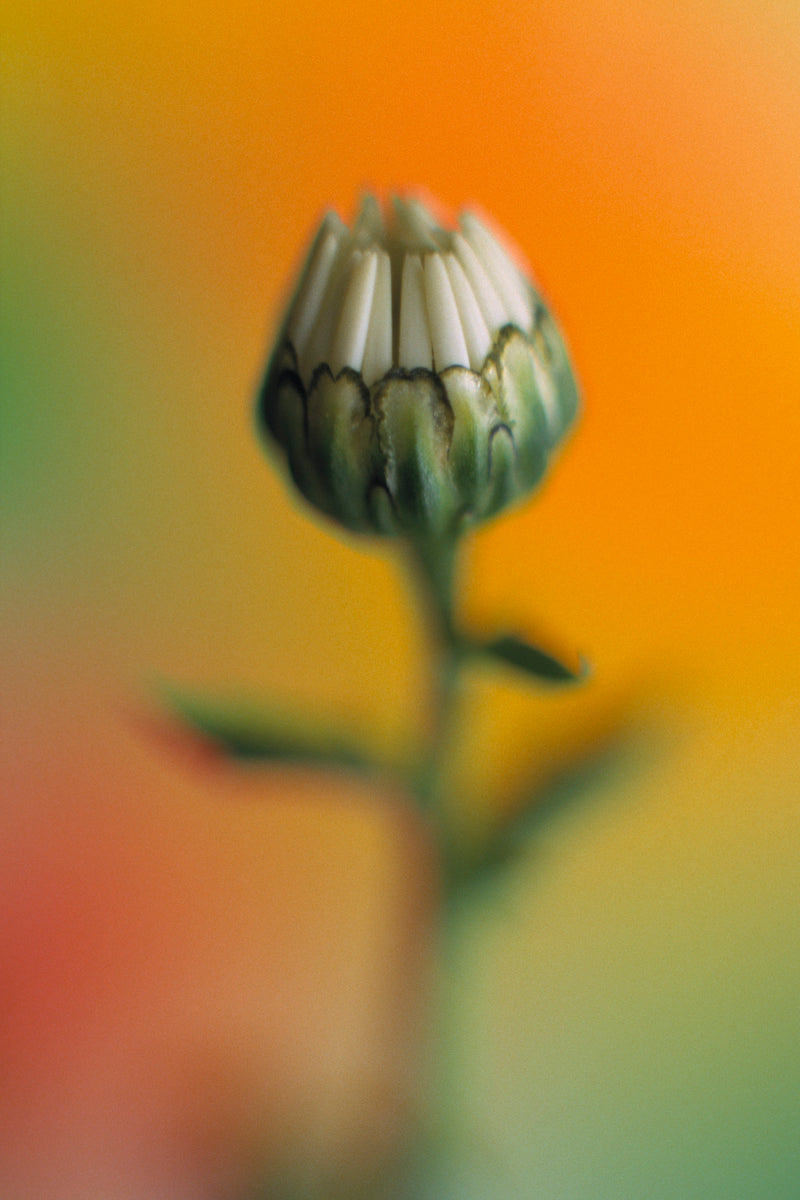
(515, 652)
(246, 731)
(590, 766)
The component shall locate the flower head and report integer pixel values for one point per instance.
(419, 384)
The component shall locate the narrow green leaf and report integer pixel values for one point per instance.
(248, 731)
(588, 770)
(515, 652)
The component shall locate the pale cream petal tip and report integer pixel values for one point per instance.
(400, 289)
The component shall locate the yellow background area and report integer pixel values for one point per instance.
(202, 967)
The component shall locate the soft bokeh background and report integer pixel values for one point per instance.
(201, 969)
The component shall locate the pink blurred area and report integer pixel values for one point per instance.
(209, 974)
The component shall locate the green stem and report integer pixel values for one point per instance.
(434, 564)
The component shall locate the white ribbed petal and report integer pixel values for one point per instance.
(492, 307)
(378, 348)
(368, 227)
(307, 304)
(414, 225)
(447, 336)
(503, 272)
(351, 333)
(415, 339)
(319, 343)
(407, 293)
(476, 334)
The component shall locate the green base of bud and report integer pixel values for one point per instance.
(422, 453)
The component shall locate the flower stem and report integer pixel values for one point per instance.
(434, 563)
(434, 566)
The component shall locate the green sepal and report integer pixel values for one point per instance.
(502, 489)
(474, 418)
(247, 731)
(551, 354)
(513, 378)
(414, 423)
(341, 443)
(515, 652)
(288, 423)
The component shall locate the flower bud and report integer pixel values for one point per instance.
(419, 384)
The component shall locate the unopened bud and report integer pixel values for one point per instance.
(419, 384)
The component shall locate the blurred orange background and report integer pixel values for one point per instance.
(199, 966)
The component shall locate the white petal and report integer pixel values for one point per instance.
(378, 348)
(492, 307)
(476, 334)
(415, 339)
(351, 333)
(447, 336)
(315, 279)
(318, 348)
(503, 272)
(368, 228)
(415, 228)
